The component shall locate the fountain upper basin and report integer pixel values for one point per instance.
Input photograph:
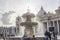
(28, 23)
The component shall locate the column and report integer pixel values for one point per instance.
(48, 25)
(53, 24)
(58, 26)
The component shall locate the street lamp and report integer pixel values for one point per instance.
(52, 29)
(47, 33)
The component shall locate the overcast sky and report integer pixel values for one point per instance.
(21, 6)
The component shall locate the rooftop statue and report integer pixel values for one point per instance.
(58, 10)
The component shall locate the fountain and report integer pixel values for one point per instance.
(28, 24)
(29, 32)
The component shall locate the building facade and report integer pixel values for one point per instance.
(50, 20)
(45, 20)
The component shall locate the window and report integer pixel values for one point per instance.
(51, 23)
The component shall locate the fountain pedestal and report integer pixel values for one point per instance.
(28, 24)
(29, 31)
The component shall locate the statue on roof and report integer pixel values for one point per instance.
(58, 10)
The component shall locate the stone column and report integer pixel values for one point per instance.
(58, 26)
(53, 24)
(48, 25)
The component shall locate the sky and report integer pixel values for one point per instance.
(20, 7)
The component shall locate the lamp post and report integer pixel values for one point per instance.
(52, 29)
(49, 26)
(47, 33)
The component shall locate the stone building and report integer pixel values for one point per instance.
(6, 32)
(50, 20)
